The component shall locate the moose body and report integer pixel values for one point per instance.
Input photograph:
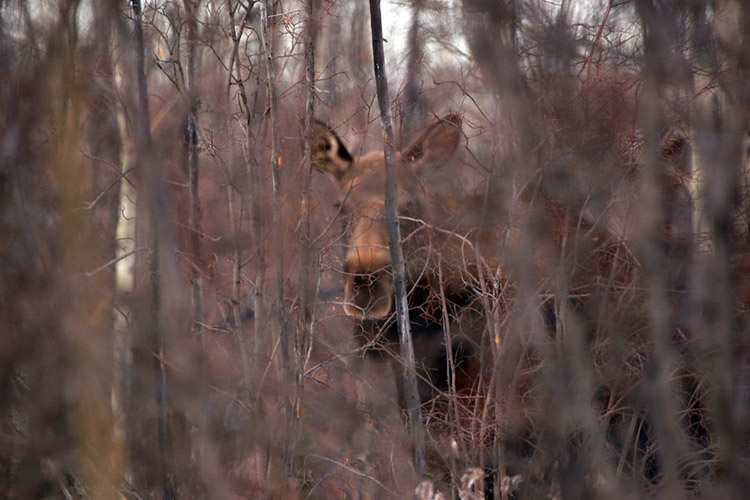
(579, 278)
(444, 273)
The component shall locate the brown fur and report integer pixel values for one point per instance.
(369, 287)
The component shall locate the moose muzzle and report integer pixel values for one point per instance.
(369, 283)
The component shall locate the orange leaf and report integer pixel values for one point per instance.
(158, 51)
(280, 161)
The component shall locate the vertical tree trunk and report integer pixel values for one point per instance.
(235, 213)
(330, 37)
(411, 394)
(492, 34)
(148, 405)
(661, 401)
(125, 235)
(270, 67)
(721, 32)
(303, 335)
(191, 143)
(414, 106)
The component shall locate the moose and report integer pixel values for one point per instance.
(443, 271)
(447, 278)
(368, 288)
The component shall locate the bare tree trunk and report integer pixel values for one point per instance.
(84, 348)
(247, 355)
(358, 40)
(194, 392)
(661, 401)
(303, 337)
(492, 35)
(270, 67)
(149, 427)
(330, 36)
(191, 143)
(411, 394)
(99, 245)
(125, 236)
(414, 106)
(720, 123)
(33, 393)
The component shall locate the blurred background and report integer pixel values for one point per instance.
(171, 268)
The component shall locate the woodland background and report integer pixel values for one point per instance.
(170, 263)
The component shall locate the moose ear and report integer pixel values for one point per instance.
(438, 143)
(329, 153)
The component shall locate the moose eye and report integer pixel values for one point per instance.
(327, 146)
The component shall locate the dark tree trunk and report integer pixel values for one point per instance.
(398, 269)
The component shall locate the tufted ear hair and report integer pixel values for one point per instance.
(437, 144)
(329, 153)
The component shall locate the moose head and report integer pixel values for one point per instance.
(369, 285)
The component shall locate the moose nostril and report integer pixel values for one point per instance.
(369, 295)
(362, 280)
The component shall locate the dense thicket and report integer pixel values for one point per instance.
(173, 270)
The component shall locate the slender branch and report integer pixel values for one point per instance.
(113, 261)
(270, 67)
(356, 472)
(88, 205)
